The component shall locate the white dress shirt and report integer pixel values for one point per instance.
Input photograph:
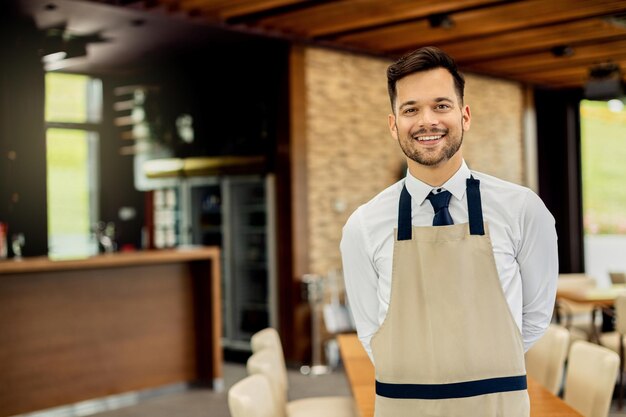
(522, 233)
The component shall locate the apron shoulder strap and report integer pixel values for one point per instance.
(405, 228)
(474, 207)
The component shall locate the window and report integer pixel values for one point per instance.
(603, 149)
(73, 109)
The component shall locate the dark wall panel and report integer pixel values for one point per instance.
(558, 136)
(22, 135)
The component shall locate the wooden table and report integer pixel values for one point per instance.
(360, 373)
(596, 296)
(82, 329)
(596, 300)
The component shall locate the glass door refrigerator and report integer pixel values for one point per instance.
(237, 214)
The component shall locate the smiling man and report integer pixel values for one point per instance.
(450, 273)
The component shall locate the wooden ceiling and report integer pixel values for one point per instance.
(552, 43)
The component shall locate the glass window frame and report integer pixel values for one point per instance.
(93, 130)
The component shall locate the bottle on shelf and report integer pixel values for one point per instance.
(3, 241)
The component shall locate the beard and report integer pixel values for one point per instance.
(430, 157)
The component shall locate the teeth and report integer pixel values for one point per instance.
(424, 138)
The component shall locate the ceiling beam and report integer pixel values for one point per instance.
(226, 9)
(566, 77)
(534, 39)
(477, 23)
(586, 55)
(339, 17)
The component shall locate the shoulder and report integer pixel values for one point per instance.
(385, 200)
(518, 201)
(489, 183)
(382, 208)
(380, 204)
(499, 190)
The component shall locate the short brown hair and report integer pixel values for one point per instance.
(423, 59)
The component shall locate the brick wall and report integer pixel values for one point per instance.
(494, 143)
(351, 155)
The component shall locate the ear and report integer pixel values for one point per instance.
(392, 126)
(467, 117)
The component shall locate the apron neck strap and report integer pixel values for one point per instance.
(474, 208)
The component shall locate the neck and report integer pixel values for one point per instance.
(436, 175)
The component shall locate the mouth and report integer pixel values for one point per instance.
(429, 138)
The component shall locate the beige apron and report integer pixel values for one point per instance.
(449, 345)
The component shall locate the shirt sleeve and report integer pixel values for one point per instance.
(361, 280)
(539, 268)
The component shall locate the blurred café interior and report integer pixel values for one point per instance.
(175, 176)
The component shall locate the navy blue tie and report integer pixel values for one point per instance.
(440, 205)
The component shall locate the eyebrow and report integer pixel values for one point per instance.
(407, 103)
(436, 100)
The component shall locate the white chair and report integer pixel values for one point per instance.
(590, 380)
(268, 360)
(268, 338)
(266, 363)
(251, 397)
(617, 340)
(545, 361)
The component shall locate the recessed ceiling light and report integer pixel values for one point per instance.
(440, 20)
(562, 51)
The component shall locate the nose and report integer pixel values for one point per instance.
(428, 118)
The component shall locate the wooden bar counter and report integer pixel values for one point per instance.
(81, 329)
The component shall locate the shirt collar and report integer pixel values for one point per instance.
(419, 190)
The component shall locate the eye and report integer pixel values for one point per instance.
(442, 106)
(409, 110)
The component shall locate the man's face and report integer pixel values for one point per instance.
(429, 120)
